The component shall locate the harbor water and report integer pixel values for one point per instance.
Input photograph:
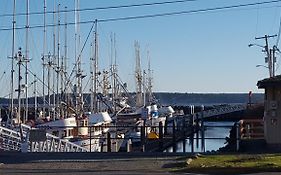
(212, 139)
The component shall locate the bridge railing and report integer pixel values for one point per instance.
(55, 144)
(9, 139)
(15, 139)
(220, 111)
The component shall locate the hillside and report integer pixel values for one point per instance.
(198, 98)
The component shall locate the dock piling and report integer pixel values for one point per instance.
(108, 142)
(160, 136)
(174, 136)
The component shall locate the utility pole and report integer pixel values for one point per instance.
(269, 53)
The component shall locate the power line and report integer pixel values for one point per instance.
(103, 8)
(188, 12)
(153, 15)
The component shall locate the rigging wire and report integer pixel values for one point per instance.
(80, 54)
(2, 76)
(154, 15)
(103, 8)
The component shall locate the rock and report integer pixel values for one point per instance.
(188, 161)
(196, 156)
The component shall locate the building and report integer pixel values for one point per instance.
(272, 110)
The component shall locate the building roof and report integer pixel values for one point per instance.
(269, 82)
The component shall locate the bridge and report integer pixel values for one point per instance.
(221, 110)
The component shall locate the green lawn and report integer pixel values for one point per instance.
(231, 164)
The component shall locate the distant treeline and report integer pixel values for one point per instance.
(207, 98)
(181, 99)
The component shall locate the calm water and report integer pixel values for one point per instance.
(210, 144)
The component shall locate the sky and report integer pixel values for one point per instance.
(205, 52)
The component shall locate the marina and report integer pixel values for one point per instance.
(158, 82)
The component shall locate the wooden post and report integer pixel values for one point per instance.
(143, 138)
(90, 139)
(129, 145)
(166, 126)
(160, 136)
(237, 136)
(101, 150)
(192, 139)
(183, 145)
(174, 137)
(184, 134)
(202, 136)
(108, 142)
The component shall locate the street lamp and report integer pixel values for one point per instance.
(259, 65)
(254, 44)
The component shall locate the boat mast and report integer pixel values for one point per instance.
(144, 87)
(112, 72)
(35, 95)
(20, 60)
(92, 77)
(138, 76)
(54, 60)
(58, 64)
(43, 59)
(114, 69)
(26, 60)
(13, 57)
(149, 79)
(64, 73)
(79, 98)
(96, 73)
(49, 83)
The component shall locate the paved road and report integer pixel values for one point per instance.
(89, 163)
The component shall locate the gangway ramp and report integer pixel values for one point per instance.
(15, 139)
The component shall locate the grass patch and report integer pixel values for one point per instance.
(232, 164)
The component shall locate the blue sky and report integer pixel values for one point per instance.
(202, 52)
